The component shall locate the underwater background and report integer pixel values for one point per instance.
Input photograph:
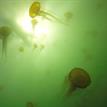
(37, 74)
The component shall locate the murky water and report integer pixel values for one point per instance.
(34, 71)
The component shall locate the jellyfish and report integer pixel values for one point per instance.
(68, 16)
(1, 87)
(42, 46)
(35, 46)
(87, 54)
(5, 31)
(21, 49)
(78, 79)
(29, 104)
(35, 10)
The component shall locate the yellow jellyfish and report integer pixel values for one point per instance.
(78, 78)
(21, 49)
(35, 10)
(5, 31)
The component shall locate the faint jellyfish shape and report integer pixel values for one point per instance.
(5, 31)
(68, 16)
(87, 54)
(42, 46)
(93, 33)
(99, 5)
(78, 78)
(1, 87)
(35, 46)
(21, 49)
(29, 104)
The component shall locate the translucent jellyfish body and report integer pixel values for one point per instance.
(78, 78)
(5, 31)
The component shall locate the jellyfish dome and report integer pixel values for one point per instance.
(5, 31)
(79, 78)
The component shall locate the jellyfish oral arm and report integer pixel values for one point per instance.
(50, 16)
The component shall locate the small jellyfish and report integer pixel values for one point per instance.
(21, 49)
(87, 54)
(42, 46)
(100, 5)
(35, 46)
(68, 16)
(5, 31)
(35, 10)
(29, 104)
(78, 78)
(1, 87)
(92, 33)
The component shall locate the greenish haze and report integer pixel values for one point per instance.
(38, 76)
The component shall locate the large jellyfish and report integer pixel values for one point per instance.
(5, 31)
(78, 78)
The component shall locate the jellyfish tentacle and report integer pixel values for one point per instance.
(47, 15)
(71, 89)
(4, 46)
(5, 31)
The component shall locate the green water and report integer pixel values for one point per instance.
(37, 76)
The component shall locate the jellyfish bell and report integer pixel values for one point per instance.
(78, 78)
(5, 31)
(34, 9)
